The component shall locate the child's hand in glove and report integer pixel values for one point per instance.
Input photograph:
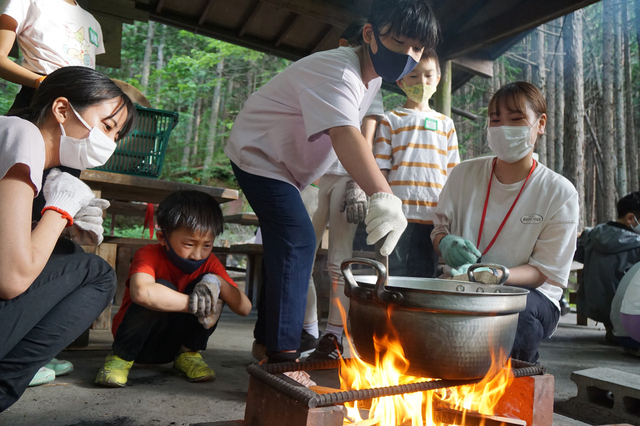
(354, 202)
(205, 295)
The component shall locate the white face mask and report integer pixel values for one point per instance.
(636, 228)
(85, 153)
(510, 143)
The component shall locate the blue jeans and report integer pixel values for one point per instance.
(68, 295)
(289, 244)
(536, 323)
(153, 337)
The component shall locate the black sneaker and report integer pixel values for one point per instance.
(329, 348)
(308, 342)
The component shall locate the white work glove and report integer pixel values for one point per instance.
(385, 217)
(65, 194)
(87, 224)
(205, 296)
(354, 201)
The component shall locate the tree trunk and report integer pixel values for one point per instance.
(187, 139)
(146, 62)
(608, 145)
(559, 112)
(618, 96)
(539, 80)
(551, 106)
(632, 142)
(527, 55)
(160, 62)
(196, 131)
(213, 121)
(574, 110)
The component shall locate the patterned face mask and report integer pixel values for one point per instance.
(418, 93)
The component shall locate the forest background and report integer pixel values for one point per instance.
(587, 63)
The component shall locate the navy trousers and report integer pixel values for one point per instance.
(536, 323)
(69, 294)
(414, 255)
(153, 337)
(289, 244)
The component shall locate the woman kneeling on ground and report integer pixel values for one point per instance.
(50, 290)
(513, 211)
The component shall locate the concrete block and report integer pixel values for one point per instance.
(613, 390)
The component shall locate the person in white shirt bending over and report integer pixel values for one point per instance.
(512, 210)
(288, 134)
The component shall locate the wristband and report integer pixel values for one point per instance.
(64, 214)
(38, 81)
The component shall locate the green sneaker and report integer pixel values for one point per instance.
(114, 373)
(60, 367)
(43, 376)
(194, 367)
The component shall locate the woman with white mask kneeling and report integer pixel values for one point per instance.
(513, 211)
(50, 290)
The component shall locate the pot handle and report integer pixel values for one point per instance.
(351, 286)
(504, 269)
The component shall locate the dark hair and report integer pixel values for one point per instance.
(353, 33)
(430, 54)
(83, 87)
(517, 96)
(630, 203)
(409, 18)
(196, 211)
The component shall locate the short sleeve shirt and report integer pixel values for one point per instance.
(21, 143)
(281, 131)
(53, 34)
(152, 260)
(541, 230)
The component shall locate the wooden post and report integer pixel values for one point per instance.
(442, 99)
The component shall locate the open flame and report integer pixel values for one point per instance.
(415, 409)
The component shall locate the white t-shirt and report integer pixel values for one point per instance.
(377, 109)
(420, 149)
(540, 232)
(21, 142)
(53, 34)
(281, 131)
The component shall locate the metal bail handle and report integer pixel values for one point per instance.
(504, 269)
(351, 285)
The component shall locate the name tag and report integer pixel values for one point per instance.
(431, 124)
(93, 37)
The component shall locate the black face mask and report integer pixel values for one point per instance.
(390, 65)
(188, 266)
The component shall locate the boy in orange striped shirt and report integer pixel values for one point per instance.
(416, 148)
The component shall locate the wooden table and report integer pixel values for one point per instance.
(247, 218)
(116, 186)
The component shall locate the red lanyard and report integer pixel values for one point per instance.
(486, 203)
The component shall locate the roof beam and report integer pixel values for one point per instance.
(230, 36)
(252, 15)
(205, 12)
(288, 27)
(327, 33)
(477, 66)
(319, 10)
(523, 16)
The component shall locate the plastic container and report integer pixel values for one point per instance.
(142, 152)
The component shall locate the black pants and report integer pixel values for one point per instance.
(536, 323)
(414, 255)
(153, 337)
(69, 294)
